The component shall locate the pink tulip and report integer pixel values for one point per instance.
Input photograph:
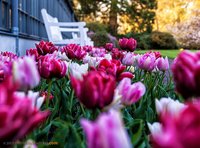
(50, 66)
(106, 132)
(18, 116)
(128, 44)
(25, 73)
(186, 72)
(129, 59)
(157, 54)
(130, 93)
(182, 131)
(98, 52)
(44, 48)
(74, 51)
(109, 46)
(162, 64)
(87, 48)
(33, 52)
(114, 68)
(95, 89)
(147, 62)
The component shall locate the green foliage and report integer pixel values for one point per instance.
(162, 40)
(154, 40)
(100, 39)
(143, 39)
(140, 12)
(97, 27)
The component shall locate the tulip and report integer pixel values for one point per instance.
(106, 132)
(74, 51)
(128, 44)
(117, 54)
(147, 62)
(18, 116)
(44, 48)
(181, 131)
(96, 89)
(162, 64)
(92, 61)
(98, 52)
(114, 68)
(186, 70)
(33, 52)
(169, 106)
(77, 70)
(155, 128)
(33, 96)
(128, 59)
(130, 93)
(157, 54)
(25, 73)
(109, 46)
(87, 48)
(50, 66)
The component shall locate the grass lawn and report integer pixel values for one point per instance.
(169, 53)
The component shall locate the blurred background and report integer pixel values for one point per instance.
(155, 24)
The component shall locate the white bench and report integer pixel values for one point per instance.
(76, 29)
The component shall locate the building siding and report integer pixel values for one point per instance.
(30, 22)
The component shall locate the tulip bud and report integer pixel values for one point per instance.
(128, 59)
(162, 64)
(147, 62)
(109, 46)
(44, 48)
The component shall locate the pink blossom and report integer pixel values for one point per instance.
(106, 132)
(147, 62)
(128, 59)
(44, 48)
(130, 93)
(162, 63)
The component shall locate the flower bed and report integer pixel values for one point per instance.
(91, 97)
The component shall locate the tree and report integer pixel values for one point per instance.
(140, 13)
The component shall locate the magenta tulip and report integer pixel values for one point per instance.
(106, 132)
(128, 44)
(181, 131)
(186, 72)
(33, 52)
(95, 89)
(74, 51)
(18, 116)
(109, 46)
(44, 48)
(50, 66)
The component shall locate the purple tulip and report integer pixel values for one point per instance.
(128, 59)
(130, 93)
(106, 132)
(147, 62)
(162, 63)
(128, 44)
(25, 73)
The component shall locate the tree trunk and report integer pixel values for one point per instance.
(113, 17)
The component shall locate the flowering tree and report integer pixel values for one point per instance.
(187, 33)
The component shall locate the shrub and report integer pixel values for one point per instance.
(97, 27)
(143, 39)
(100, 39)
(163, 40)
